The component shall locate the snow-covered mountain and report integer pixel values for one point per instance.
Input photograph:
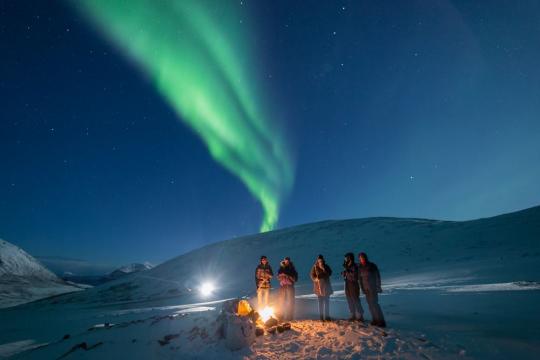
(24, 279)
(15, 261)
(129, 269)
(500, 249)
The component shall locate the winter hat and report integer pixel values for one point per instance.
(364, 255)
(349, 255)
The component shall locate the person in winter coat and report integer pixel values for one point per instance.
(352, 287)
(370, 282)
(263, 275)
(320, 275)
(287, 276)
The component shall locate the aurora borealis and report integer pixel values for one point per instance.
(137, 130)
(200, 62)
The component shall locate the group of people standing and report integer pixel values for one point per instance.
(364, 276)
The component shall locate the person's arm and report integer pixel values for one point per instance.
(313, 274)
(378, 279)
(271, 272)
(328, 270)
(257, 277)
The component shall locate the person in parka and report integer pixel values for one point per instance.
(370, 282)
(320, 275)
(352, 287)
(263, 275)
(287, 276)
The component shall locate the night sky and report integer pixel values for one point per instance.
(411, 109)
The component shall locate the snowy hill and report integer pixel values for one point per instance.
(24, 279)
(450, 290)
(408, 251)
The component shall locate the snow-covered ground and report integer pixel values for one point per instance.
(193, 334)
(451, 289)
(24, 279)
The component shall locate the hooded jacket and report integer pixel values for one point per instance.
(263, 274)
(370, 278)
(350, 270)
(287, 274)
(321, 280)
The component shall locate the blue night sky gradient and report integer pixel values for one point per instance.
(411, 109)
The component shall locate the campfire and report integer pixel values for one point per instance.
(240, 324)
(266, 313)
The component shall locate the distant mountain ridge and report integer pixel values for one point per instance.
(129, 269)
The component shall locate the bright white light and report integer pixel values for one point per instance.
(207, 289)
(266, 313)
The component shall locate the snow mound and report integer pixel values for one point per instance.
(24, 279)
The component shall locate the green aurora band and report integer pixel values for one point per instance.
(192, 51)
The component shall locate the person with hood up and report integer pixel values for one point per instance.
(263, 275)
(287, 276)
(320, 275)
(370, 282)
(352, 287)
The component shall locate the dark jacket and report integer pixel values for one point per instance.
(321, 280)
(287, 274)
(350, 272)
(370, 278)
(263, 274)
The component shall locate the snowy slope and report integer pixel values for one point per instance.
(24, 279)
(500, 249)
(16, 261)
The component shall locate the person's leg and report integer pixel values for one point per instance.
(375, 309)
(327, 307)
(259, 299)
(282, 302)
(292, 303)
(266, 295)
(320, 300)
(359, 309)
(350, 300)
